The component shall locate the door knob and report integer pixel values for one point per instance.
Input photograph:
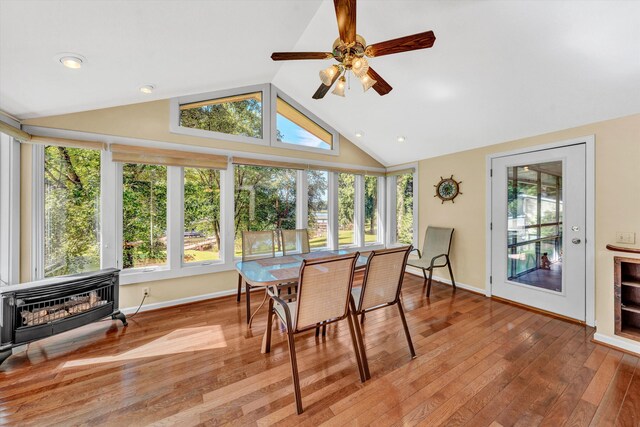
(575, 241)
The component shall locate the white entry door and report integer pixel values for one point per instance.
(538, 217)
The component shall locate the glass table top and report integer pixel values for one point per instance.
(284, 268)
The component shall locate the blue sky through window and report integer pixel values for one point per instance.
(291, 133)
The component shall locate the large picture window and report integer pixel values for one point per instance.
(404, 208)
(260, 114)
(233, 115)
(317, 207)
(71, 210)
(346, 209)
(265, 199)
(144, 215)
(293, 127)
(371, 215)
(201, 236)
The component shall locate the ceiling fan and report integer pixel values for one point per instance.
(350, 50)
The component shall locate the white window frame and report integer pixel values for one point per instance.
(111, 208)
(180, 198)
(381, 208)
(174, 117)
(391, 214)
(270, 94)
(38, 214)
(9, 210)
(175, 267)
(335, 137)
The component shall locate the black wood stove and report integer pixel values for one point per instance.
(36, 310)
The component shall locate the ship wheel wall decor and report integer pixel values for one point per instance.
(447, 189)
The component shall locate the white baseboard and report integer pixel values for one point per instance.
(475, 289)
(163, 304)
(219, 294)
(620, 343)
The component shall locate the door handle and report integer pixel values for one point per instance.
(576, 241)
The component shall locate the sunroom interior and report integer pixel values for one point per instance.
(173, 135)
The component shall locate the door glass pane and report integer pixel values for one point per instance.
(534, 221)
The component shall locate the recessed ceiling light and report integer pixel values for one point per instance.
(402, 138)
(359, 134)
(147, 88)
(71, 60)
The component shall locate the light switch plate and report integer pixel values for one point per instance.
(627, 237)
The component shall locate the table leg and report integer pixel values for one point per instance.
(266, 295)
(266, 338)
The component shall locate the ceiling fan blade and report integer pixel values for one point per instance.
(323, 89)
(402, 44)
(346, 14)
(286, 56)
(382, 87)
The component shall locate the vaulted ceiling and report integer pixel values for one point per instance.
(499, 70)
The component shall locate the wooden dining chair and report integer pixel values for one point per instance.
(295, 241)
(381, 288)
(255, 245)
(435, 254)
(324, 296)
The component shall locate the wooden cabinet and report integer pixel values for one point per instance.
(627, 297)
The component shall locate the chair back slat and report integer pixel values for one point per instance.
(383, 277)
(437, 241)
(295, 241)
(258, 245)
(324, 289)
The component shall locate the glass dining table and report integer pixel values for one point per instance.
(266, 272)
(285, 268)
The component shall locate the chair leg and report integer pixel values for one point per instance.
(424, 273)
(266, 344)
(324, 330)
(356, 346)
(362, 319)
(239, 288)
(247, 287)
(429, 282)
(363, 353)
(453, 281)
(406, 330)
(294, 372)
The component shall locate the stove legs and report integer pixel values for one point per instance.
(4, 354)
(120, 316)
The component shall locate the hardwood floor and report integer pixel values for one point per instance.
(480, 363)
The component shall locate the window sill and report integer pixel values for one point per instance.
(133, 277)
(138, 276)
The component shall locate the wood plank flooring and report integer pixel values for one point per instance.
(480, 363)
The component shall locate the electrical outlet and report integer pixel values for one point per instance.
(145, 292)
(626, 237)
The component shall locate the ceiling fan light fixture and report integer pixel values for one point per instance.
(339, 89)
(327, 75)
(360, 66)
(367, 82)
